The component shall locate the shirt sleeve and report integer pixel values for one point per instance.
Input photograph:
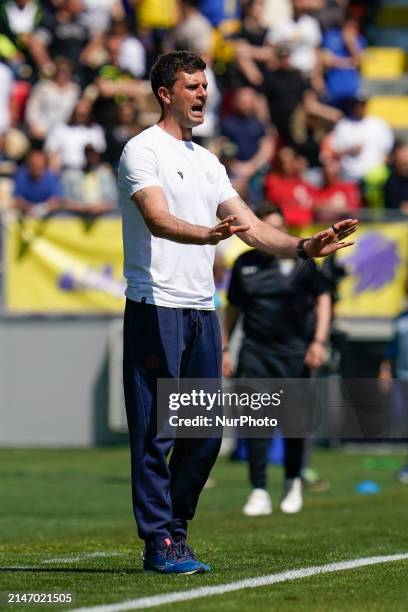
(138, 168)
(226, 190)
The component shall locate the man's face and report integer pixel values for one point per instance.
(187, 98)
(401, 161)
(37, 165)
(245, 102)
(82, 111)
(299, 5)
(287, 159)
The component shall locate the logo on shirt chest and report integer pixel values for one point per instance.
(181, 175)
(210, 178)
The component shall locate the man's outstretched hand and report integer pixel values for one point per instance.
(225, 229)
(331, 240)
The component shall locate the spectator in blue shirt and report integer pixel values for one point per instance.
(252, 142)
(217, 12)
(342, 47)
(37, 190)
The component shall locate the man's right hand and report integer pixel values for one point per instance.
(224, 230)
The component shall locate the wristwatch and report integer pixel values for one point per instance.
(300, 249)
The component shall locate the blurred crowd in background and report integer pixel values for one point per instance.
(287, 113)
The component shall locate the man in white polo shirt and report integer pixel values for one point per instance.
(172, 192)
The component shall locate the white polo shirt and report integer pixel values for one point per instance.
(164, 272)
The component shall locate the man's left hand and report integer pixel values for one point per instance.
(331, 240)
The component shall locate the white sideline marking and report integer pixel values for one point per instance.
(80, 556)
(249, 583)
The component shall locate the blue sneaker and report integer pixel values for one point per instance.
(170, 559)
(186, 551)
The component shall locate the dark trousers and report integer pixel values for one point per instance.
(259, 362)
(176, 343)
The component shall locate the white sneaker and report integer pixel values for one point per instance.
(259, 503)
(292, 500)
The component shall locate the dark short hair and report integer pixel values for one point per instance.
(165, 71)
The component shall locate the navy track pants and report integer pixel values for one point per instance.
(161, 342)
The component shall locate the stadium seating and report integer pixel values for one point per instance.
(383, 63)
(393, 109)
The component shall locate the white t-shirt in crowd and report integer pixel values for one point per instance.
(164, 272)
(6, 84)
(132, 56)
(49, 105)
(69, 141)
(22, 20)
(373, 135)
(96, 14)
(302, 36)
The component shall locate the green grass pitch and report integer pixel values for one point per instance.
(59, 505)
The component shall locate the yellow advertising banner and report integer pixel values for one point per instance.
(375, 268)
(70, 265)
(64, 265)
(376, 272)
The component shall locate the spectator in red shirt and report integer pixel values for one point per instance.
(336, 197)
(285, 188)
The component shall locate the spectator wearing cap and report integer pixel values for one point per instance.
(363, 142)
(37, 190)
(92, 190)
(66, 142)
(396, 187)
